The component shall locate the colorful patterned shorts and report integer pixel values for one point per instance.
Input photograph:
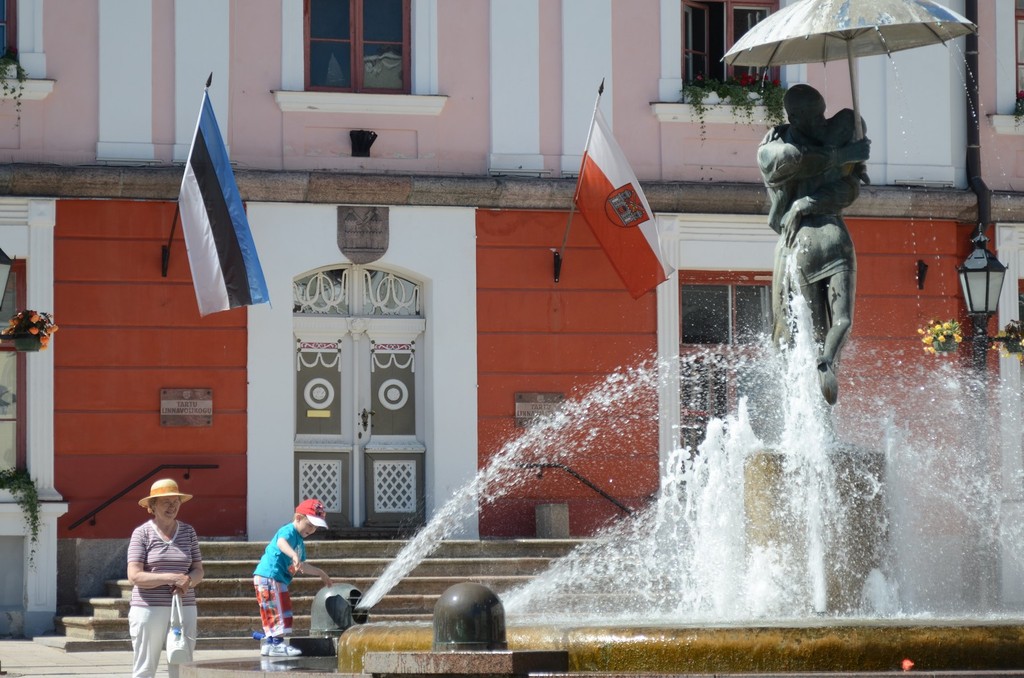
(275, 606)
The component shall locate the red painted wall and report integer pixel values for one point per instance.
(125, 333)
(539, 336)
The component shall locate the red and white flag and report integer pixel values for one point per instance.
(609, 197)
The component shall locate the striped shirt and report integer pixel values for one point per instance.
(156, 555)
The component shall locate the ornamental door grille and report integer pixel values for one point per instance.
(358, 394)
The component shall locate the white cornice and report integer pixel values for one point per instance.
(713, 114)
(349, 102)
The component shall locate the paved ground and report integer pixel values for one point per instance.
(29, 658)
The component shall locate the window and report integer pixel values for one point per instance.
(718, 321)
(1020, 45)
(8, 36)
(357, 45)
(12, 381)
(710, 28)
(725, 314)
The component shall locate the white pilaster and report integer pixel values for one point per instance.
(39, 296)
(1005, 45)
(293, 68)
(30, 38)
(586, 61)
(424, 47)
(125, 81)
(515, 86)
(670, 84)
(202, 45)
(668, 346)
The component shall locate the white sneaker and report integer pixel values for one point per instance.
(283, 650)
(264, 648)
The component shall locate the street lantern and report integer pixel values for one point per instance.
(981, 277)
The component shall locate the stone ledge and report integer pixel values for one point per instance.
(162, 183)
(490, 663)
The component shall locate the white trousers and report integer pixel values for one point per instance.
(148, 627)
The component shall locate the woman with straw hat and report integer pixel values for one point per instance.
(163, 560)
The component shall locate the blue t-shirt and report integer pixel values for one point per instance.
(274, 564)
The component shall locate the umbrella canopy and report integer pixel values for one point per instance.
(810, 31)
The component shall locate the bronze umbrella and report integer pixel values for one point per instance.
(810, 31)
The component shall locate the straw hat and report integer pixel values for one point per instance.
(164, 488)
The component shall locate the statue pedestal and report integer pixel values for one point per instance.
(855, 532)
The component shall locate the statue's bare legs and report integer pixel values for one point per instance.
(831, 303)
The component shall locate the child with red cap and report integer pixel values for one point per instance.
(284, 557)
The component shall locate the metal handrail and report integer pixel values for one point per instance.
(91, 515)
(562, 467)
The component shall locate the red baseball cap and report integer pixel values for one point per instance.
(314, 510)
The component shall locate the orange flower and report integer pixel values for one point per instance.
(907, 664)
(33, 330)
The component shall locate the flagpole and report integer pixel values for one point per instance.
(165, 254)
(165, 251)
(559, 254)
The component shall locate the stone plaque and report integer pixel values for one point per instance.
(529, 406)
(363, 233)
(186, 407)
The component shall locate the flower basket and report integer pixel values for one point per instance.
(28, 342)
(940, 336)
(1010, 341)
(743, 94)
(30, 330)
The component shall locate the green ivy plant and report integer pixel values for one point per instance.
(736, 92)
(12, 87)
(20, 484)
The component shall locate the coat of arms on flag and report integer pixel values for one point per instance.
(626, 208)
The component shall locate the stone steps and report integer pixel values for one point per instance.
(228, 614)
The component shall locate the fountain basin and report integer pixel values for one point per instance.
(840, 645)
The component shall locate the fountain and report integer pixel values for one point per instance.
(798, 536)
(873, 538)
(804, 534)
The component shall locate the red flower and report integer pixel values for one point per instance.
(1020, 94)
(907, 664)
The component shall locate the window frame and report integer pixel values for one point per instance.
(730, 280)
(720, 386)
(717, 69)
(9, 20)
(356, 51)
(17, 278)
(1018, 47)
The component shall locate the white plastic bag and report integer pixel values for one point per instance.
(177, 648)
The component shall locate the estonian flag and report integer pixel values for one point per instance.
(226, 270)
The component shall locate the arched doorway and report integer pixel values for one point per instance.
(359, 424)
